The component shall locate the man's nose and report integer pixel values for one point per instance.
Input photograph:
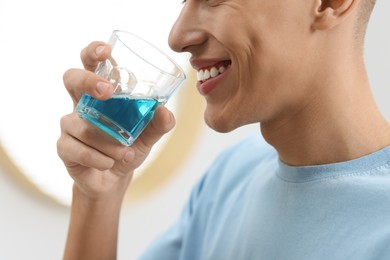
(187, 31)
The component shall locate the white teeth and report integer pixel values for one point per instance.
(211, 73)
(206, 75)
(214, 72)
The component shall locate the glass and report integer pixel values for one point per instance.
(143, 77)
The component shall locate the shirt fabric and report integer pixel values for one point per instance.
(250, 205)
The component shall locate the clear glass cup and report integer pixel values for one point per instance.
(143, 77)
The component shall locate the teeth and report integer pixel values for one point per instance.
(214, 72)
(210, 73)
(206, 75)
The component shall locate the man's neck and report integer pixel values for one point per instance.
(341, 125)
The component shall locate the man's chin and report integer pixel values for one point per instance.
(220, 125)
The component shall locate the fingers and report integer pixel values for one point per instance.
(162, 122)
(74, 153)
(82, 143)
(79, 81)
(94, 53)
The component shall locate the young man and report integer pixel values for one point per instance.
(318, 188)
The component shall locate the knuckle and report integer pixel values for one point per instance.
(105, 165)
(85, 156)
(60, 144)
(67, 76)
(118, 154)
(87, 80)
(63, 121)
(84, 53)
(144, 147)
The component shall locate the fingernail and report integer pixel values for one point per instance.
(101, 87)
(129, 156)
(99, 49)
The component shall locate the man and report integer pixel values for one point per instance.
(318, 188)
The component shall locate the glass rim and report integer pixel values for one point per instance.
(181, 75)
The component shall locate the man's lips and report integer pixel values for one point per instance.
(209, 73)
(207, 85)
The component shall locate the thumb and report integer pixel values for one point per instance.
(162, 122)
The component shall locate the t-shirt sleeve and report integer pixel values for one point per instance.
(168, 245)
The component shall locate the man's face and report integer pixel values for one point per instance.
(257, 52)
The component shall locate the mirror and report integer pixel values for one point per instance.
(40, 40)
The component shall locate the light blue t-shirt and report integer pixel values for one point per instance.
(250, 205)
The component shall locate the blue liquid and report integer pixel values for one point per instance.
(122, 117)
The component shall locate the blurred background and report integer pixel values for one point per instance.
(41, 39)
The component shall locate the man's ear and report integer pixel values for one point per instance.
(329, 13)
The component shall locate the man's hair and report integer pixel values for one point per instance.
(365, 10)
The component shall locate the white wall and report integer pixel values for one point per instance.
(31, 228)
